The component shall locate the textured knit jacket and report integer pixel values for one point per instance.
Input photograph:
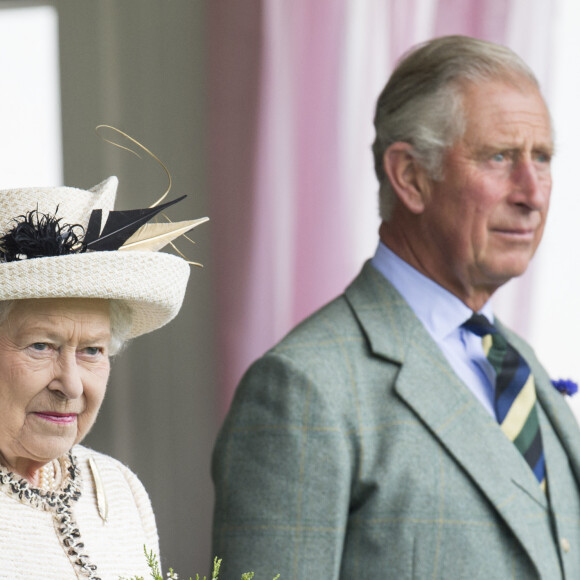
(30, 542)
(353, 451)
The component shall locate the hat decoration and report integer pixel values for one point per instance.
(70, 243)
(37, 235)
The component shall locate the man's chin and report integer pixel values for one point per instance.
(502, 275)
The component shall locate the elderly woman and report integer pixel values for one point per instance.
(76, 281)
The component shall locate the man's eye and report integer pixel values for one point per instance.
(39, 346)
(498, 157)
(543, 157)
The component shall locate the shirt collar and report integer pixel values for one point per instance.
(440, 311)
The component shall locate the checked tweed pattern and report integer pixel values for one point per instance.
(515, 394)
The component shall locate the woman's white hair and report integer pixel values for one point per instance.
(119, 314)
(422, 101)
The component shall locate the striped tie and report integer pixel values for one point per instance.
(515, 394)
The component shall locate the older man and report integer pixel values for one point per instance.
(402, 432)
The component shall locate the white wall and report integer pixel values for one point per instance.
(30, 148)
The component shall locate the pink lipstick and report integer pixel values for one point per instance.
(58, 418)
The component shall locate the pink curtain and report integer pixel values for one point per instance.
(292, 91)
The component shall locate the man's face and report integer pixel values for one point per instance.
(484, 220)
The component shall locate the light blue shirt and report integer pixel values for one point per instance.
(442, 315)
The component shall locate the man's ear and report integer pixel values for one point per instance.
(407, 176)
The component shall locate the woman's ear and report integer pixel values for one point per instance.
(407, 176)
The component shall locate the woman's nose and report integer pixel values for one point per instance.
(67, 378)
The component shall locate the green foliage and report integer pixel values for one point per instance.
(155, 571)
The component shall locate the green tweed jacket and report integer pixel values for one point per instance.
(352, 451)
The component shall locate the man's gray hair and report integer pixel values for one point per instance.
(422, 101)
(120, 318)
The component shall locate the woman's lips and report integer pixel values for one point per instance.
(59, 418)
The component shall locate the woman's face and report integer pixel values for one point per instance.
(54, 366)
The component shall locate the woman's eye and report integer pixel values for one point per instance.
(92, 350)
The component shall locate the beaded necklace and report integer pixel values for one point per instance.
(50, 476)
(59, 486)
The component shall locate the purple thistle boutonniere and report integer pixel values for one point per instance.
(566, 386)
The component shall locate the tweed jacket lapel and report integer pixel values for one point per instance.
(429, 386)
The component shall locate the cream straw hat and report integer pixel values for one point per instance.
(151, 283)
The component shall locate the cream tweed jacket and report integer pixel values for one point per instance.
(30, 543)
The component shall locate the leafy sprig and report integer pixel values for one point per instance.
(155, 570)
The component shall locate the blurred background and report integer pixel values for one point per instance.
(262, 111)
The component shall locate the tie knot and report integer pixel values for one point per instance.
(480, 325)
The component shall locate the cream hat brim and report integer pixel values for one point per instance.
(152, 284)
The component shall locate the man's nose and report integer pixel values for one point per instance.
(532, 184)
(67, 378)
